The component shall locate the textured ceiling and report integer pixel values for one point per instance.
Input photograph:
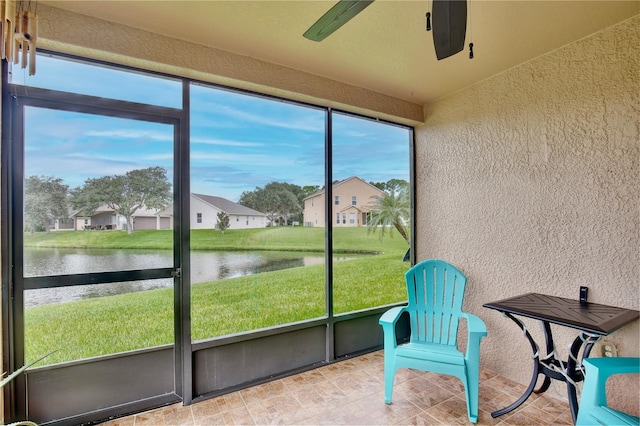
(385, 48)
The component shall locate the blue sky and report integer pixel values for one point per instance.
(238, 141)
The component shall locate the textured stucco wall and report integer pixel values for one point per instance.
(529, 182)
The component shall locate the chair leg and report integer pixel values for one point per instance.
(389, 376)
(471, 388)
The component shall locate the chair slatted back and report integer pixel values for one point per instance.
(435, 291)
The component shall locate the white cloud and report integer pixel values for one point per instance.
(304, 122)
(246, 160)
(224, 142)
(132, 134)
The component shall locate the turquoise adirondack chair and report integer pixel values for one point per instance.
(593, 408)
(435, 292)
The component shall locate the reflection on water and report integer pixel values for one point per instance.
(205, 266)
(48, 296)
(54, 261)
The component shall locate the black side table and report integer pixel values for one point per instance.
(591, 319)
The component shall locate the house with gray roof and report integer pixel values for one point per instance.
(205, 209)
(104, 217)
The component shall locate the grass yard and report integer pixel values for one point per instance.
(124, 322)
(345, 240)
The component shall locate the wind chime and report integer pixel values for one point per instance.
(19, 33)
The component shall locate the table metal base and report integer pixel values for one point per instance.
(569, 371)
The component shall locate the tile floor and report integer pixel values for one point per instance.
(351, 392)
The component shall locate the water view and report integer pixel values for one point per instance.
(205, 266)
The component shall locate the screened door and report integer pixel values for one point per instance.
(97, 270)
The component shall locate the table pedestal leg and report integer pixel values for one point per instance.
(573, 375)
(548, 337)
(534, 377)
(553, 368)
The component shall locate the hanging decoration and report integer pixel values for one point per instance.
(470, 34)
(19, 32)
(428, 16)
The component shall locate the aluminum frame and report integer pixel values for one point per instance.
(198, 371)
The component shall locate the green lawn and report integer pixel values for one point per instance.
(145, 319)
(276, 238)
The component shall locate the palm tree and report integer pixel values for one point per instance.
(391, 209)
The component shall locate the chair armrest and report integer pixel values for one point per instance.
(391, 316)
(594, 393)
(476, 330)
(616, 365)
(388, 322)
(475, 325)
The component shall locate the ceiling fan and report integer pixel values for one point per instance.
(448, 19)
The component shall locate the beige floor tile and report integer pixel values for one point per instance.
(453, 410)
(351, 392)
(230, 402)
(126, 421)
(205, 409)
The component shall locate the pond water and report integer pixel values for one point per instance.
(205, 266)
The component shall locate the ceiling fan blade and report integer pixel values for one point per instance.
(449, 26)
(336, 17)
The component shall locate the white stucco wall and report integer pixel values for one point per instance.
(529, 182)
(246, 221)
(209, 214)
(210, 217)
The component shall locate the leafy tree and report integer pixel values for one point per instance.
(254, 200)
(223, 221)
(45, 199)
(396, 185)
(125, 194)
(308, 190)
(392, 185)
(380, 185)
(390, 210)
(279, 201)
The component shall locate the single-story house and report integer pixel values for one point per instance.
(106, 218)
(63, 224)
(205, 209)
